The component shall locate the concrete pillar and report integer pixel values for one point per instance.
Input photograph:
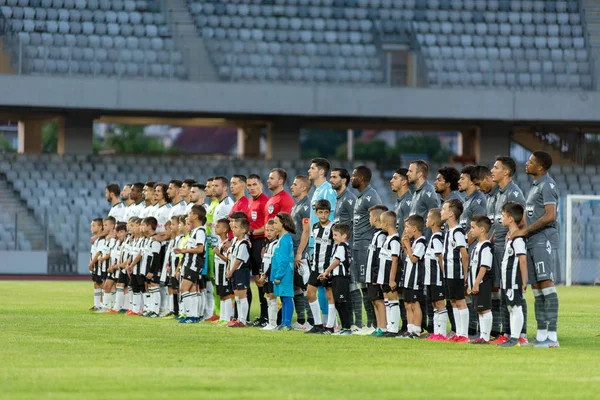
(469, 143)
(495, 138)
(283, 141)
(249, 141)
(76, 134)
(30, 135)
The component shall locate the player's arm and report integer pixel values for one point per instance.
(440, 264)
(161, 237)
(479, 278)
(135, 260)
(219, 254)
(331, 267)
(303, 241)
(546, 219)
(410, 254)
(196, 250)
(234, 266)
(523, 270)
(394, 271)
(464, 258)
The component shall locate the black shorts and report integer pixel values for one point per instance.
(201, 282)
(374, 292)
(255, 255)
(97, 279)
(483, 300)
(174, 283)
(340, 286)
(455, 289)
(512, 297)
(411, 295)
(155, 278)
(435, 293)
(110, 276)
(123, 277)
(104, 275)
(299, 281)
(190, 275)
(269, 288)
(224, 290)
(313, 280)
(388, 289)
(137, 283)
(241, 279)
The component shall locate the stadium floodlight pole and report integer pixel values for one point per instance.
(569, 250)
(350, 139)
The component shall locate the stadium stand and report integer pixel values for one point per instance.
(480, 43)
(100, 38)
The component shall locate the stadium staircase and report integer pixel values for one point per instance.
(32, 228)
(186, 37)
(591, 19)
(552, 143)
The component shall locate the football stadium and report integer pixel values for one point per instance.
(299, 199)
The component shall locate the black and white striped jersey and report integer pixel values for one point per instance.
(511, 276)
(265, 267)
(433, 274)
(150, 256)
(220, 265)
(239, 250)
(323, 240)
(413, 271)
(454, 240)
(482, 256)
(341, 252)
(195, 261)
(372, 269)
(390, 250)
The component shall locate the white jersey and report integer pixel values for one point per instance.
(178, 209)
(147, 211)
(162, 215)
(118, 212)
(222, 209)
(133, 210)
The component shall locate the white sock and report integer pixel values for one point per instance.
(209, 308)
(516, 322)
(164, 298)
(456, 320)
(464, 320)
(410, 328)
(243, 310)
(443, 322)
(137, 303)
(316, 312)
(194, 309)
(187, 303)
(200, 309)
(273, 312)
(106, 299)
(386, 303)
(485, 325)
(147, 302)
(171, 304)
(436, 317)
(119, 298)
(552, 336)
(331, 316)
(155, 301)
(542, 335)
(393, 325)
(226, 309)
(222, 307)
(129, 298)
(97, 294)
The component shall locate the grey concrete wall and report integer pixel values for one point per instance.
(23, 262)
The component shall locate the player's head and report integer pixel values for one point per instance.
(417, 170)
(361, 176)
(126, 192)
(186, 187)
(341, 233)
(197, 193)
(447, 178)
(197, 213)
(464, 183)
(220, 187)
(277, 179)
(148, 191)
(96, 226)
(240, 227)
(399, 180)
(481, 177)
(480, 226)
(539, 163)
(452, 210)
(319, 168)
(323, 209)
(209, 190)
(339, 179)
(254, 185)
(149, 225)
(374, 214)
(183, 226)
(237, 215)
(284, 222)
(388, 221)
(237, 184)
(504, 168)
(174, 226)
(414, 225)
(512, 212)
(121, 230)
(112, 192)
(434, 218)
(136, 192)
(136, 226)
(161, 192)
(222, 227)
(109, 223)
(174, 188)
(300, 186)
(270, 230)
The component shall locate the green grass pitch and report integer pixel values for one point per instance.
(53, 348)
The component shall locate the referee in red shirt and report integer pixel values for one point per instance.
(256, 214)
